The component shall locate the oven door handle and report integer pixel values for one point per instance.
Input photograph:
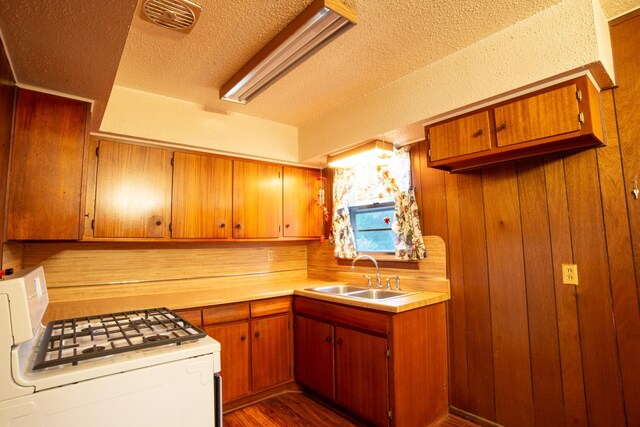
(217, 390)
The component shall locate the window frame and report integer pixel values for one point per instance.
(372, 207)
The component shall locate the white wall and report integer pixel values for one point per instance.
(145, 115)
(568, 37)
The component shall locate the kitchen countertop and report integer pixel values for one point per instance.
(218, 295)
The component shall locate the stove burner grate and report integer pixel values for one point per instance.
(82, 338)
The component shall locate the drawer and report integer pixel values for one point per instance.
(193, 316)
(267, 307)
(225, 313)
(338, 314)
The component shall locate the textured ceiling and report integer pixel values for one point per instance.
(70, 46)
(393, 38)
(76, 47)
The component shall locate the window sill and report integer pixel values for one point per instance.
(384, 260)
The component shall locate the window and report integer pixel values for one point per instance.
(372, 227)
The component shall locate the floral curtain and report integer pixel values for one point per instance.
(406, 225)
(343, 237)
(406, 222)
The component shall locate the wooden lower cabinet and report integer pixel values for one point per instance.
(362, 377)
(256, 345)
(270, 361)
(234, 358)
(387, 369)
(314, 355)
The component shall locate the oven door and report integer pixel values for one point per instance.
(178, 393)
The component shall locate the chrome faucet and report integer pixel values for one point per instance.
(378, 277)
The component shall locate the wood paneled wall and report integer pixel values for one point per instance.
(527, 350)
(7, 106)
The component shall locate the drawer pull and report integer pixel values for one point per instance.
(328, 339)
(477, 133)
(242, 338)
(501, 126)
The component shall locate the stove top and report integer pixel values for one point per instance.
(71, 341)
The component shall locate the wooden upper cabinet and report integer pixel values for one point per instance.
(548, 114)
(201, 200)
(469, 134)
(257, 200)
(133, 191)
(562, 117)
(46, 168)
(302, 216)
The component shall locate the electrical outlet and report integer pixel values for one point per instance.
(570, 274)
(270, 256)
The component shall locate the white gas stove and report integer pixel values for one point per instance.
(143, 367)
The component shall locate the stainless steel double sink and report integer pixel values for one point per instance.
(363, 293)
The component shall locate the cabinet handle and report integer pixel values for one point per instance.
(257, 334)
(158, 222)
(222, 225)
(328, 339)
(339, 341)
(242, 338)
(477, 133)
(286, 226)
(501, 126)
(238, 226)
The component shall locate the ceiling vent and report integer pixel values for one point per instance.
(180, 15)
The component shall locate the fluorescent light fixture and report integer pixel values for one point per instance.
(372, 153)
(315, 27)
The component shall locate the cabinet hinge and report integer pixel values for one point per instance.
(278, 174)
(390, 413)
(429, 154)
(388, 353)
(93, 224)
(579, 95)
(171, 161)
(97, 151)
(170, 227)
(581, 117)
(429, 136)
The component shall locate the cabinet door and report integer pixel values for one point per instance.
(234, 358)
(133, 191)
(548, 114)
(45, 178)
(302, 216)
(257, 200)
(201, 198)
(362, 381)
(465, 135)
(314, 355)
(270, 353)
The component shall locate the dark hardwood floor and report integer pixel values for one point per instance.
(287, 409)
(298, 409)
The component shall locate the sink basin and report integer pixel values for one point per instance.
(338, 289)
(379, 294)
(369, 294)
